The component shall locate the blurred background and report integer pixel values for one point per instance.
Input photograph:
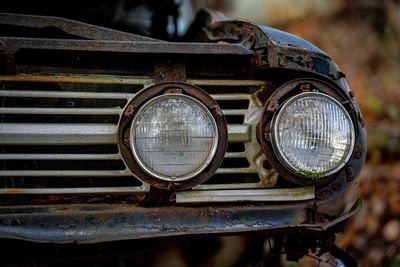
(363, 37)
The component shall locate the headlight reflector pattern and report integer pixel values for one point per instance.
(174, 137)
(313, 135)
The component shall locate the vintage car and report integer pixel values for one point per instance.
(231, 128)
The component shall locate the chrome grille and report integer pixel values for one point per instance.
(59, 145)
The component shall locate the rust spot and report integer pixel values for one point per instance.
(272, 105)
(305, 87)
(217, 110)
(130, 110)
(173, 91)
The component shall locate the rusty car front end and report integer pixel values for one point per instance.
(70, 168)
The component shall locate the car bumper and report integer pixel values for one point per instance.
(111, 222)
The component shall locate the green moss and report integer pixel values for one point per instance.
(312, 175)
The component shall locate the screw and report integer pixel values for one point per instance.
(325, 193)
(350, 173)
(336, 186)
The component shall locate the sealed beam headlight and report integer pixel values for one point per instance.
(174, 137)
(312, 135)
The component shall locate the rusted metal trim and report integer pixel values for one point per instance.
(13, 44)
(28, 156)
(109, 222)
(144, 96)
(169, 71)
(113, 79)
(62, 111)
(73, 78)
(73, 191)
(278, 97)
(274, 48)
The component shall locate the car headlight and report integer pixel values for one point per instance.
(310, 132)
(174, 137)
(313, 135)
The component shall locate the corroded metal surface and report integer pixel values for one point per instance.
(274, 48)
(13, 44)
(99, 223)
(243, 62)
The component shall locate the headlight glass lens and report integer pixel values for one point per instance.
(313, 135)
(174, 137)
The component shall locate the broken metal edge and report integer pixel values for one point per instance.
(111, 222)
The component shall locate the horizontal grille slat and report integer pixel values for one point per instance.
(235, 154)
(62, 111)
(117, 79)
(72, 191)
(228, 186)
(235, 170)
(46, 173)
(73, 134)
(73, 173)
(221, 97)
(60, 156)
(53, 134)
(88, 111)
(64, 94)
(234, 111)
(99, 95)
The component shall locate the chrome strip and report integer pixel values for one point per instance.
(64, 94)
(275, 195)
(234, 111)
(113, 79)
(74, 191)
(62, 111)
(235, 170)
(239, 133)
(74, 173)
(57, 134)
(100, 95)
(80, 133)
(60, 156)
(228, 186)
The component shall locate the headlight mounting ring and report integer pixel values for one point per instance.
(273, 105)
(173, 88)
